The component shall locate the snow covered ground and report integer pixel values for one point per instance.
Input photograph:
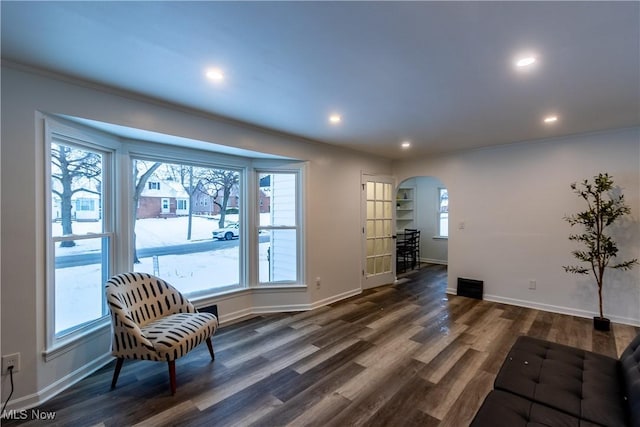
(79, 290)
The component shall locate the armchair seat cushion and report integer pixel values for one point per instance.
(580, 383)
(177, 334)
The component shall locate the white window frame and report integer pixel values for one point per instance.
(56, 131)
(139, 150)
(439, 218)
(299, 172)
(118, 205)
(182, 205)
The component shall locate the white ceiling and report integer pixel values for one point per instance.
(439, 74)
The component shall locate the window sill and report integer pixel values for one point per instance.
(440, 237)
(77, 339)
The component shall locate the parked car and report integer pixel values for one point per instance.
(227, 233)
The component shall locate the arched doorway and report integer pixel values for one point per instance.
(422, 204)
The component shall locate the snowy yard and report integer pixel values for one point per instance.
(150, 232)
(79, 290)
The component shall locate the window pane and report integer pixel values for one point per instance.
(443, 213)
(277, 199)
(444, 225)
(278, 255)
(80, 274)
(278, 234)
(187, 225)
(81, 265)
(76, 191)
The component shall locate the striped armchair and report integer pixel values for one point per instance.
(151, 320)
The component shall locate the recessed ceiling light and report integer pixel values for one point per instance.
(335, 118)
(525, 61)
(215, 74)
(551, 119)
(405, 144)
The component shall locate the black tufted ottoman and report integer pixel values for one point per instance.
(546, 384)
(509, 410)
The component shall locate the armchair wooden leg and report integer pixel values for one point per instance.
(116, 373)
(210, 346)
(172, 376)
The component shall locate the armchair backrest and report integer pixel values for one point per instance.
(141, 298)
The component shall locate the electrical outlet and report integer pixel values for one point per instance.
(317, 282)
(532, 284)
(10, 360)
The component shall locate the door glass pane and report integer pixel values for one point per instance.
(378, 246)
(370, 209)
(379, 190)
(379, 210)
(387, 210)
(379, 228)
(371, 231)
(371, 192)
(387, 192)
(379, 265)
(370, 266)
(387, 263)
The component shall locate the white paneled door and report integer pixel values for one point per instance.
(377, 231)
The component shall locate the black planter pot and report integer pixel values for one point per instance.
(601, 324)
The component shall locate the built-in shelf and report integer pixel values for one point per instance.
(405, 203)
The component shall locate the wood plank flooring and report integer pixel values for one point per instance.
(400, 355)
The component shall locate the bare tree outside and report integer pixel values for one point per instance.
(73, 170)
(222, 182)
(186, 175)
(196, 181)
(142, 170)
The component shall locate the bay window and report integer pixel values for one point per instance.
(175, 212)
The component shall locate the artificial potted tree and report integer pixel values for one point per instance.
(603, 209)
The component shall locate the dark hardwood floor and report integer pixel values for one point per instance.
(405, 354)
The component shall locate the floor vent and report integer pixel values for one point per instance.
(213, 309)
(470, 288)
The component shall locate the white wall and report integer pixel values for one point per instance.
(333, 238)
(426, 219)
(512, 200)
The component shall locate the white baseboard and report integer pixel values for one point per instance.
(248, 312)
(32, 400)
(226, 319)
(434, 261)
(335, 298)
(552, 308)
